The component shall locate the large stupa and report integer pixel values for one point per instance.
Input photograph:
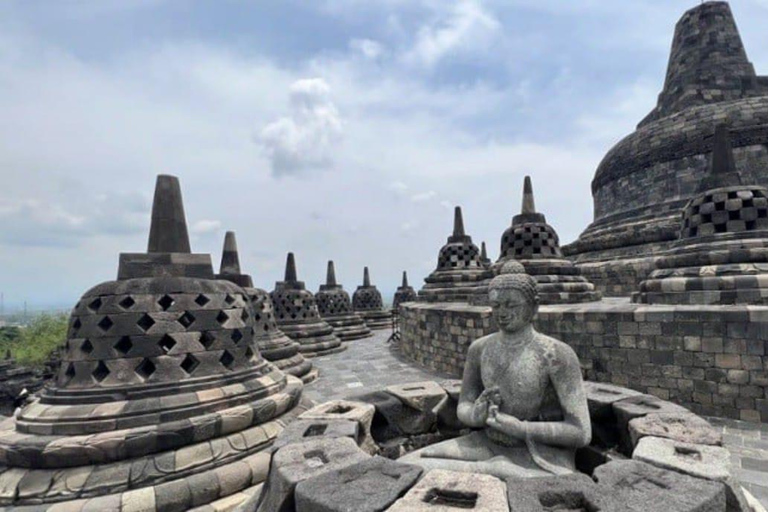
(335, 307)
(273, 344)
(461, 274)
(162, 401)
(648, 177)
(535, 244)
(297, 315)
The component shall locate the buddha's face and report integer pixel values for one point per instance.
(511, 309)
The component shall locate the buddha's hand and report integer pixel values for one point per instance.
(505, 423)
(489, 397)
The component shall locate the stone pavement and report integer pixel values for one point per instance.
(371, 364)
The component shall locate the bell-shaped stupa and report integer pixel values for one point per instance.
(297, 315)
(460, 273)
(273, 344)
(404, 293)
(335, 307)
(721, 256)
(368, 303)
(535, 244)
(162, 401)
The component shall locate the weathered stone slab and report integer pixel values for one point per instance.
(448, 491)
(360, 412)
(297, 462)
(701, 461)
(369, 486)
(635, 486)
(636, 407)
(571, 492)
(422, 396)
(299, 431)
(393, 418)
(686, 427)
(601, 396)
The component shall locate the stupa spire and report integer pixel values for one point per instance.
(405, 279)
(458, 223)
(168, 231)
(330, 278)
(290, 269)
(366, 277)
(483, 252)
(230, 260)
(529, 205)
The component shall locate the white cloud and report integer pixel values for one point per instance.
(423, 196)
(206, 227)
(368, 48)
(466, 27)
(307, 139)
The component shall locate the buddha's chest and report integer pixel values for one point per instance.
(520, 375)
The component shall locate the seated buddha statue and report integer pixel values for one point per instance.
(523, 393)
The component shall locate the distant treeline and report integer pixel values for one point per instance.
(33, 344)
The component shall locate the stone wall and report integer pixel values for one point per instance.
(713, 360)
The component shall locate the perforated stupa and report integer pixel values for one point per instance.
(367, 302)
(460, 272)
(297, 315)
(335, 307)
(722, 254)
(273, 344)
(404, 293)
(162, 401)
(535, 244)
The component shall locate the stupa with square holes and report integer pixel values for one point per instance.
(335, 307)
(367, 302)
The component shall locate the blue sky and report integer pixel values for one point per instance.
(343, 129)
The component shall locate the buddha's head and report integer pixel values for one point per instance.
(514, 300)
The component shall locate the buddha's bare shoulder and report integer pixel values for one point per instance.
(476, 347)
(556, 352)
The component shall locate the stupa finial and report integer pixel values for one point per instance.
(290, 269)
(230, 260)
(529, 205)
(168, 231)
(366, 277)
(330, 278)
(483, 252)
(458, 223)
(405, 279)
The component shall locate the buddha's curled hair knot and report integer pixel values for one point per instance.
(521, 282)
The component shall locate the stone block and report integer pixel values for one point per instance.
(393, 418)
(422, 396)
(369, 486)
(685, 427)
(637, 407)
(360, 412)
(302, 430)
(448, 491)
(570, 492)
(297, 462)
(635, 486)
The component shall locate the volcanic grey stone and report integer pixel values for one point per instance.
(393, 418)
(299, 431)
(637, 407)
(635, 486)
(685, 427)
(297, 462)
(369, 486)
(359, 412)
(448, 491)
(571, 492)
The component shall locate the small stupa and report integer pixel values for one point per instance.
(404, 293)
(297, 315)
(160, 394)
(460, 272)
(721, 256)
(535, 244)
(273, 344)
(368, 303)
(335, 307)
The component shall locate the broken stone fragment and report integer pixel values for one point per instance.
(448, 491)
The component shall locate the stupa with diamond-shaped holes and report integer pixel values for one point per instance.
(297, 315)
(273, 344)
(368, 303)
(460, 274)
(722, 254)
(535, 244)
(404, 293)
(162, 401)
(335, 307)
